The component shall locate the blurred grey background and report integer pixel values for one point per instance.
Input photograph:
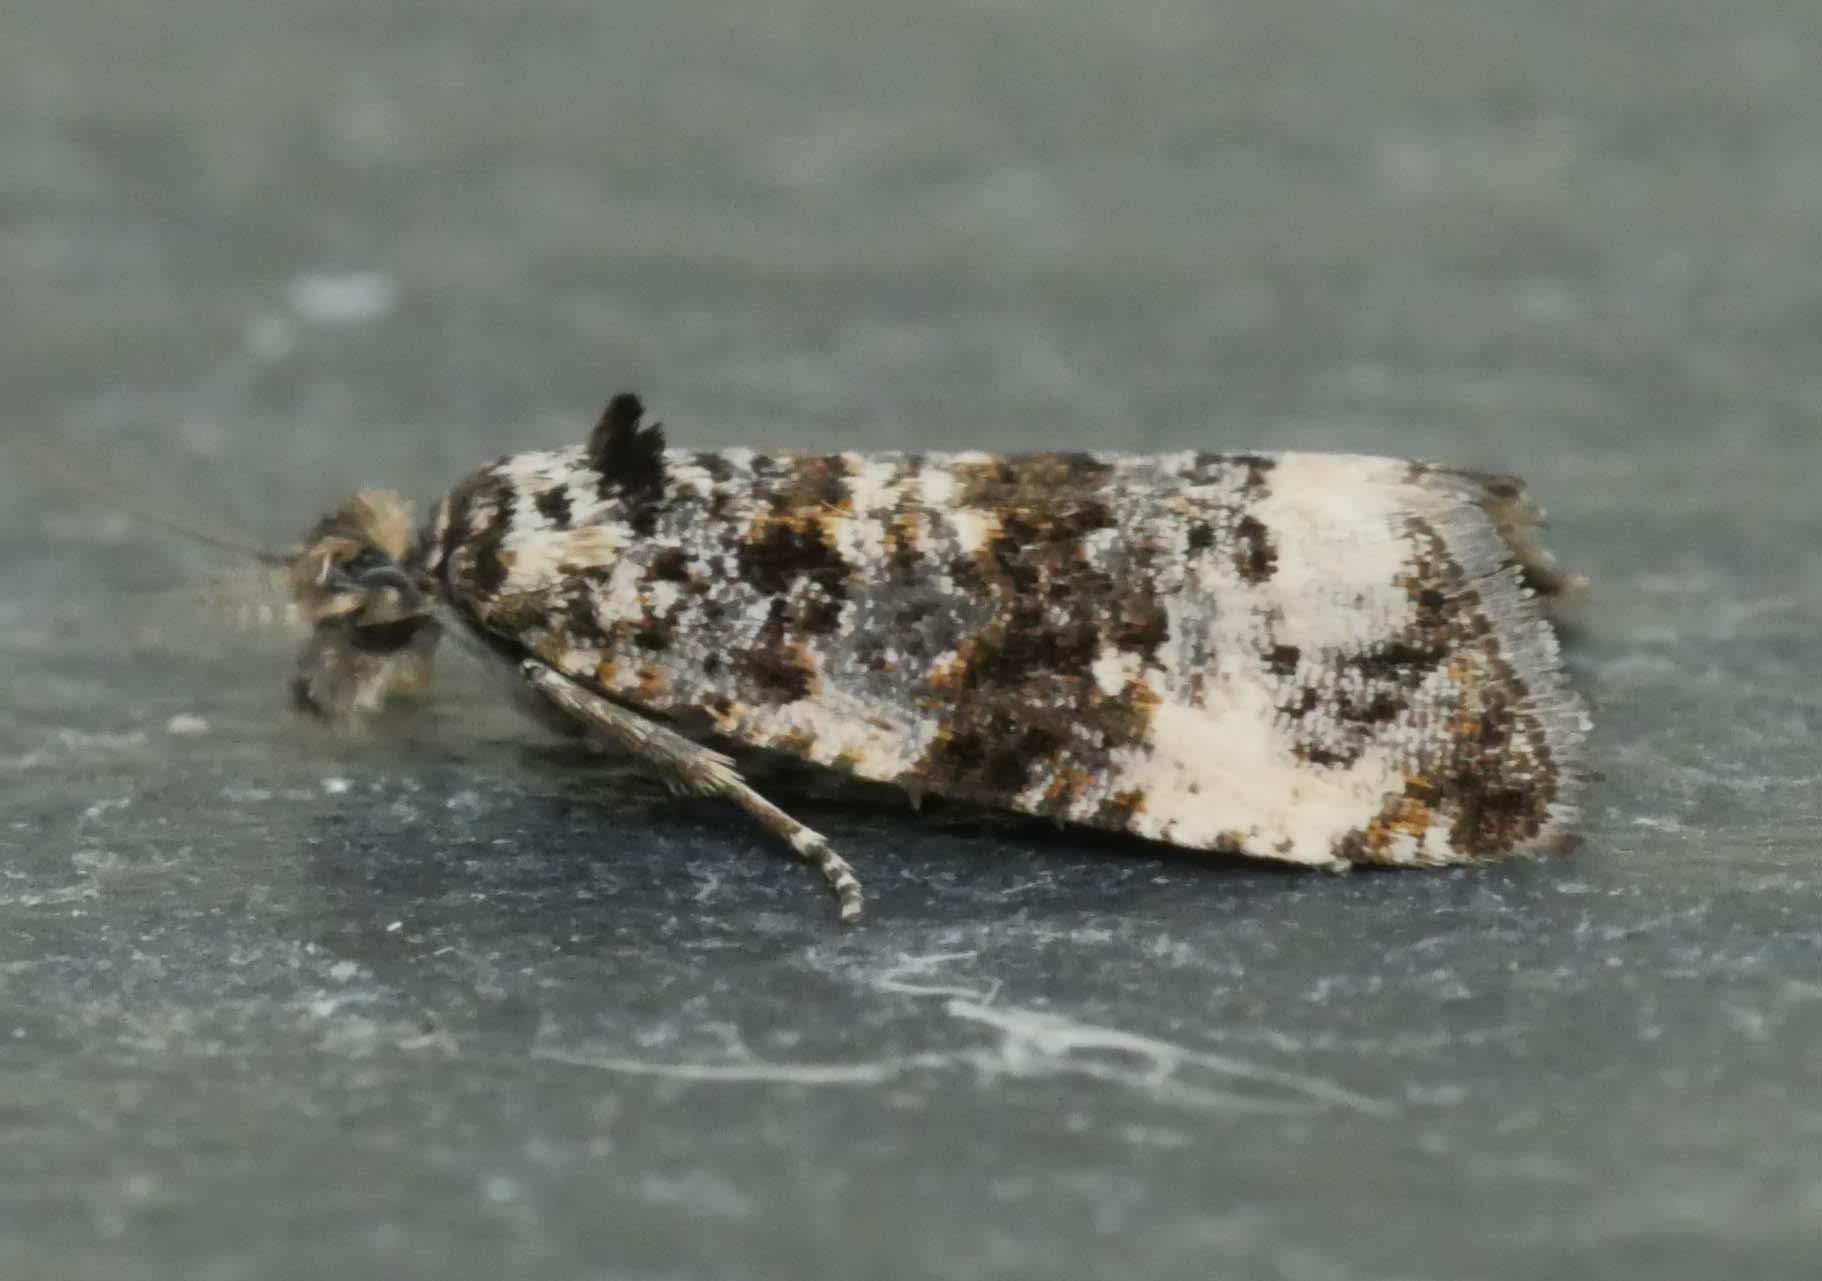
(462, 1005)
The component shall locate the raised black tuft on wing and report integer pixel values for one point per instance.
(630, 457)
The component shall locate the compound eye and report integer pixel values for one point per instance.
(366, 561)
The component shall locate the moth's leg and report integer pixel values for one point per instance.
(689, 766)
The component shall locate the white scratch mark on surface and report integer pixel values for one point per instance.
(865, 1072)
(1031, 1045)
(1039, 1043)
(65, 743)
(890, 980)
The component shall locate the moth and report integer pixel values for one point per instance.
(1324, 660)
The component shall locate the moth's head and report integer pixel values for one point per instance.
(359, 585)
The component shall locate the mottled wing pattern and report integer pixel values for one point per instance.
(1315, 658)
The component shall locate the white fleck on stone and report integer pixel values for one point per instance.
(92, 862)
(698, 1190)
(269, 336)
(94, 812)
(341, 298)
(186, 725)
(337, 786)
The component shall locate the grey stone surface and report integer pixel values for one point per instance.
(462, 1005)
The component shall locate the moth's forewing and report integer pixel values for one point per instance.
(1315, 658)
